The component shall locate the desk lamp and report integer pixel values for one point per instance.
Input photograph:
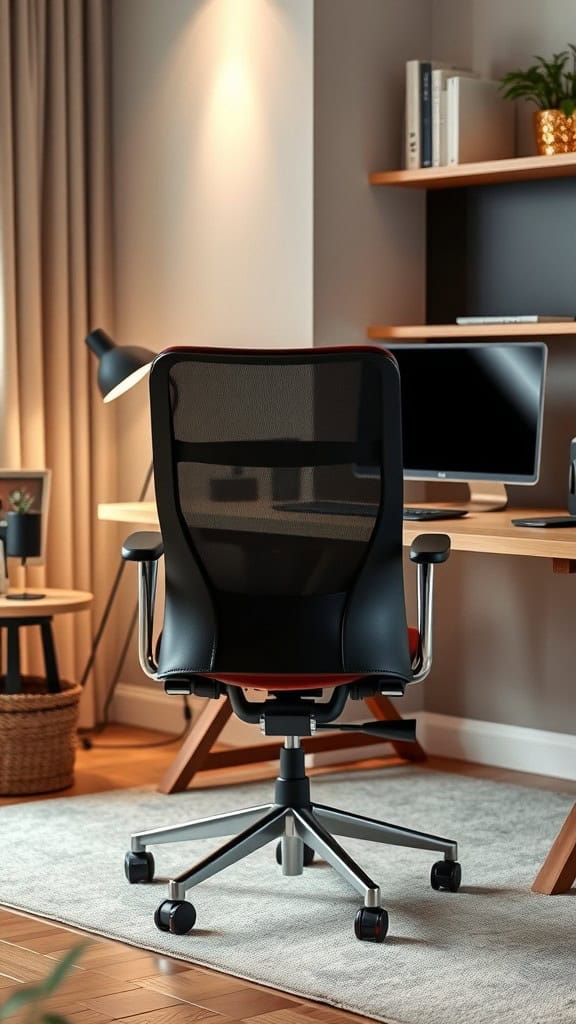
(120, 368)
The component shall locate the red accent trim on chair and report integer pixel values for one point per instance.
(275, 351)
(285, 681)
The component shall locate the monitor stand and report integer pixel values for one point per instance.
(486, 496)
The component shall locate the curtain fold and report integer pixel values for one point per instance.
(56, 267)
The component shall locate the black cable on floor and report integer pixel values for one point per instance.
(85, 738)
(88, 744)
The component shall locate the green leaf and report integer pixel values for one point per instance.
(547, 83)
(26, 994)
(20, 499)
(54, 1018)
(34, 993)
(63, 968)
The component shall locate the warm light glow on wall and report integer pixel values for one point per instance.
(232, 113)
(214, 145)
(232, 90)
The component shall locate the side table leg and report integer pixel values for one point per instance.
(50, 661)
(13, 677)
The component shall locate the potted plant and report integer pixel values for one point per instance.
(551, 85)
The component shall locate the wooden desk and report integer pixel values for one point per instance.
(483, 532)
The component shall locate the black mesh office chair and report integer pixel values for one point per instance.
(308, 608)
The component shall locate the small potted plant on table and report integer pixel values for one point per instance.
(23, 534)
(551, 85)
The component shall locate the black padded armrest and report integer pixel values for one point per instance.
(430, 548)
(143, 547)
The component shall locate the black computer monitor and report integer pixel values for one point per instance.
(472, 412)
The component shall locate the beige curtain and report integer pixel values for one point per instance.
(55, 285)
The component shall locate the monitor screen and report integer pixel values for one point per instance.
(470, 411)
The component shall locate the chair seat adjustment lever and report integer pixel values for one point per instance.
(403, 730)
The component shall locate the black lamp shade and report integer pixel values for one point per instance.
(23, 534)
(117, 363)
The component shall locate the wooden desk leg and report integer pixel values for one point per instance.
(558, 871)
(194, 755)
(196, 747)
(384, 710)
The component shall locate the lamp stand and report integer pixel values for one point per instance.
(104, 619)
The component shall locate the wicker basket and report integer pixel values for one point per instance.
(38, 738)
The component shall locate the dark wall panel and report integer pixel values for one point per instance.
(501, 249)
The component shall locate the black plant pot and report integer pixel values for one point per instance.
(23, 540)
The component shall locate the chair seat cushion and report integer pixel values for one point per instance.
(285, 681)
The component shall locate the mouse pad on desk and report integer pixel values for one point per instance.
(546, 521)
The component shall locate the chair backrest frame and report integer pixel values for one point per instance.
(362, 630)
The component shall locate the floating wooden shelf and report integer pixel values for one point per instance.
(525, 168)
(408, 332)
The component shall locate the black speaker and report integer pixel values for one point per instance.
(572, 478)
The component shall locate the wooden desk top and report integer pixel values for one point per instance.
(487, 532)
(54, 602)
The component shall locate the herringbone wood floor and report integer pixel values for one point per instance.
(117, 983)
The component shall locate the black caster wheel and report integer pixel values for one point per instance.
(446, 874)
(308, 855)
(139, 867)
(371, 924)
(176, 916)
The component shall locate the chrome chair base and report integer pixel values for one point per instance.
(313, 825)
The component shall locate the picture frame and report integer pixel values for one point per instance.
(37, 482)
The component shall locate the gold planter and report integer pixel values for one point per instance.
(555, 133)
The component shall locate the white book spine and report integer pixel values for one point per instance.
(452, 94)
(438, 79)
(412, 115)
(443, 131)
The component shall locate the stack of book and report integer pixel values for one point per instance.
(453, 117)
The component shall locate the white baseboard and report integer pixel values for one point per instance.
(148, 708)
(467, 739)
(151, 708)
(504, 746)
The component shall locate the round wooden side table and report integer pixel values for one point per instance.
(14, 614)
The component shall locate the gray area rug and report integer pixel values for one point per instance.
(494, 952)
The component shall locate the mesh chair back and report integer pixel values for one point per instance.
(251, 588)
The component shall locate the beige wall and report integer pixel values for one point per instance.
(213, 171)
(368, 243)
(212, 182)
